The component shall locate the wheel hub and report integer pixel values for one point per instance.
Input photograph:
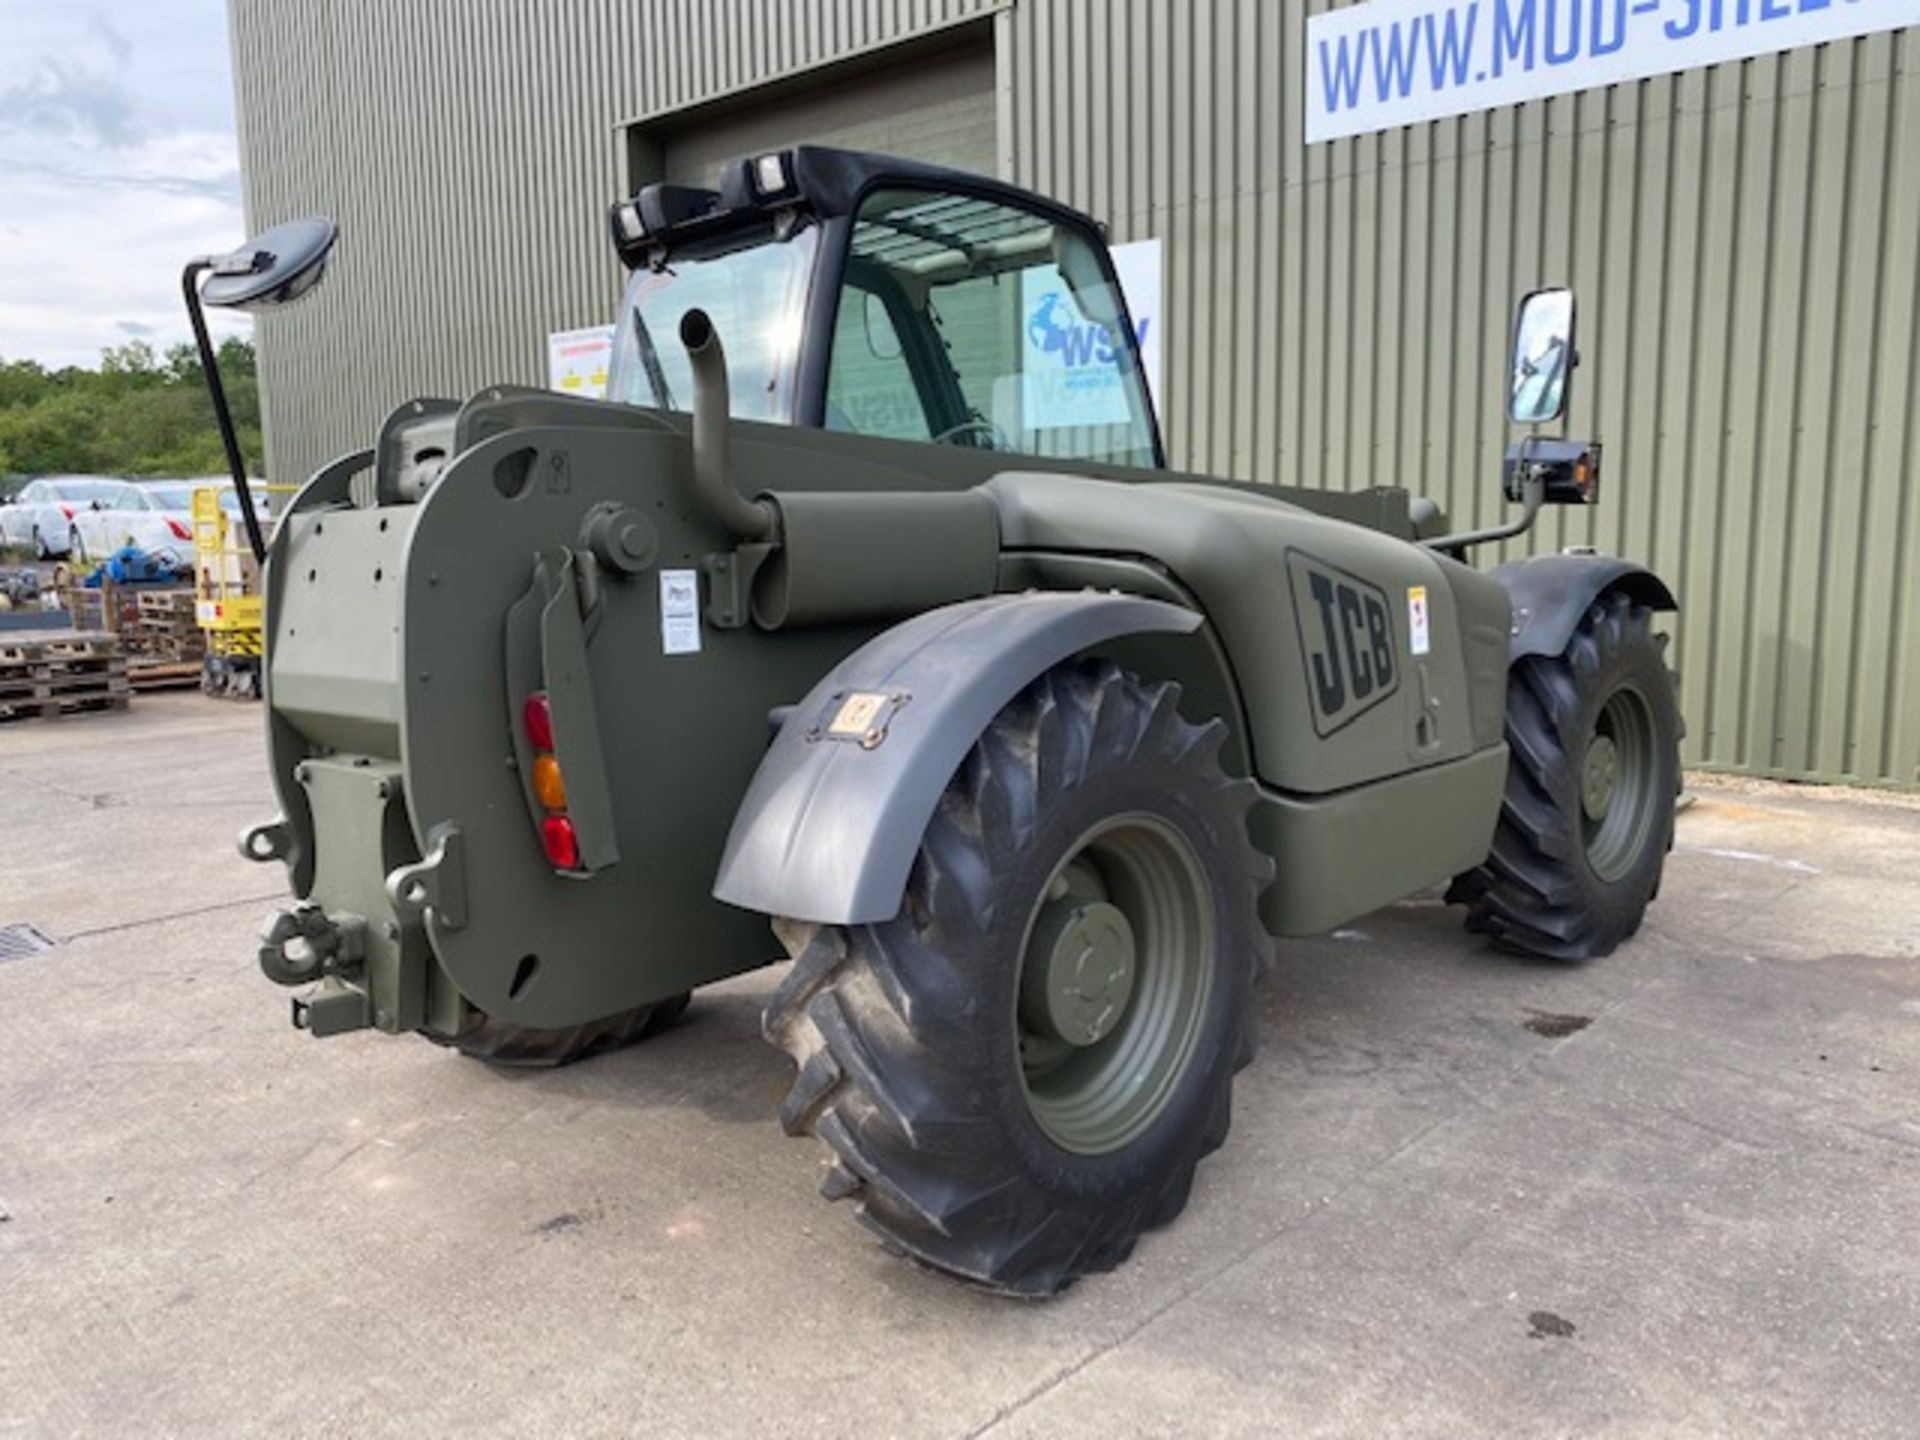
(1599, 776)
(1080, 971)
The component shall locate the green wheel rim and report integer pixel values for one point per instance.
(1619, 780)
(1116, 967)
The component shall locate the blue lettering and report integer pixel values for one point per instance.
(1341, 77)
(1392, 64)
(1676, 30)
(1600, 43)
(1775, 10)
(1140, 333)
(1449, 51)
(1806, 5)
(1080, 343)
(1513, 34)
(1559, 53)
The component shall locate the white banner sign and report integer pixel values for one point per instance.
(577, 361)
(1398, 62)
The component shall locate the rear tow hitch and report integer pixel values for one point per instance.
(305, 944)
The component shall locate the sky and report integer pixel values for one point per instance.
(118, 163)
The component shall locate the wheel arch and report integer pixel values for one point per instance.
(1550, 593)
(829, 827)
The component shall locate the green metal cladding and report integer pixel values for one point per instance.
(1745, 240)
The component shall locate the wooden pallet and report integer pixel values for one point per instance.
(62, 674)
(183, 675)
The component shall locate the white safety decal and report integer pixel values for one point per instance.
(1417, 619)
(680, 612)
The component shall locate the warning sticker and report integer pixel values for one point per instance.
(1417, 619)
(680, 612)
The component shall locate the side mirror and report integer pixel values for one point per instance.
(275, 268)
(1543, 358)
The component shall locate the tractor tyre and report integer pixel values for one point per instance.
(522, 1047)
(1587, 818)
(1016, 1076)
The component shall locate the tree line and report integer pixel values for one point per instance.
(139, 413)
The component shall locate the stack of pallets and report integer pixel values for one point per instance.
(60, 674)
(165, 644)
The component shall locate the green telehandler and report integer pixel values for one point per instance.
(866, 606)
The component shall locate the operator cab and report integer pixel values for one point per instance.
(876, 296)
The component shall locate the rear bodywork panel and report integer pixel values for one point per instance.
(403, 633)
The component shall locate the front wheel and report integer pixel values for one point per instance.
(1587, 818)
(1017, 1075)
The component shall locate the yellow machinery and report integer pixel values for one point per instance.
(227, 600)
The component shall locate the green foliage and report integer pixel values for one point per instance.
(140, 413)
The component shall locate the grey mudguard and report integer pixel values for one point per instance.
(1551, 592)
(829, 827)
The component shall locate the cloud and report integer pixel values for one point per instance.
(117, 144)
(63, 100)
(112, 37)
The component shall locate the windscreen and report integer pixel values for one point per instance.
(971, 321)
(756, 296)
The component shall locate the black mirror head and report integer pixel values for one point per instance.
(274, 268)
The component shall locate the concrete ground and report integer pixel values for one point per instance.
(1674, 1192)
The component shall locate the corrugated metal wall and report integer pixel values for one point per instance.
(469, 149)
(1746, 244)
(1746, 241)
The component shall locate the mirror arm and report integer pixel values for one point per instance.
(1533, 494)
(222, 414)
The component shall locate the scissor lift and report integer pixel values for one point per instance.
(227, 601)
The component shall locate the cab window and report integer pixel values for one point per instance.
(968, 321)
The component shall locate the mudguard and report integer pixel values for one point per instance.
(1551, 592)
(830, 825)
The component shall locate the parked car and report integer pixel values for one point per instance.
(136, 515)
(42, 515)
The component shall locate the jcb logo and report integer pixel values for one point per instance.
(1346, 641)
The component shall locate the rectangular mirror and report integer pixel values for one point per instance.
(1543, 358)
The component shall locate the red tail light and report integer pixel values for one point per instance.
(67, 510)
(537, 716)
(560, 843)
(180, 532)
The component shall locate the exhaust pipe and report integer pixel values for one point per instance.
(747, 519)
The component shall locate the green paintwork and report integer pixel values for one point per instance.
(533, 542)
(1119, 962)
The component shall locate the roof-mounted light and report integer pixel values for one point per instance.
(628, 224)
(773, 175)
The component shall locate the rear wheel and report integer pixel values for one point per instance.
(40, 550)
(1017, 1075)
(76, 547)
(522, 1047)
(1587, 819)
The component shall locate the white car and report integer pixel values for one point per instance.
(42, 515)
(138, 515)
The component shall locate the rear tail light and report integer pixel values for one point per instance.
(67, 510)
(180, 532)
(557, 836)
(537, 716)
(558, 840)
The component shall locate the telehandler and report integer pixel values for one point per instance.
(866, 605)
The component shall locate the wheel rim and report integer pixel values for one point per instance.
(1116, 968)
(1618, 784)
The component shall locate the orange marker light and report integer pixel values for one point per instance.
(547, 785)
